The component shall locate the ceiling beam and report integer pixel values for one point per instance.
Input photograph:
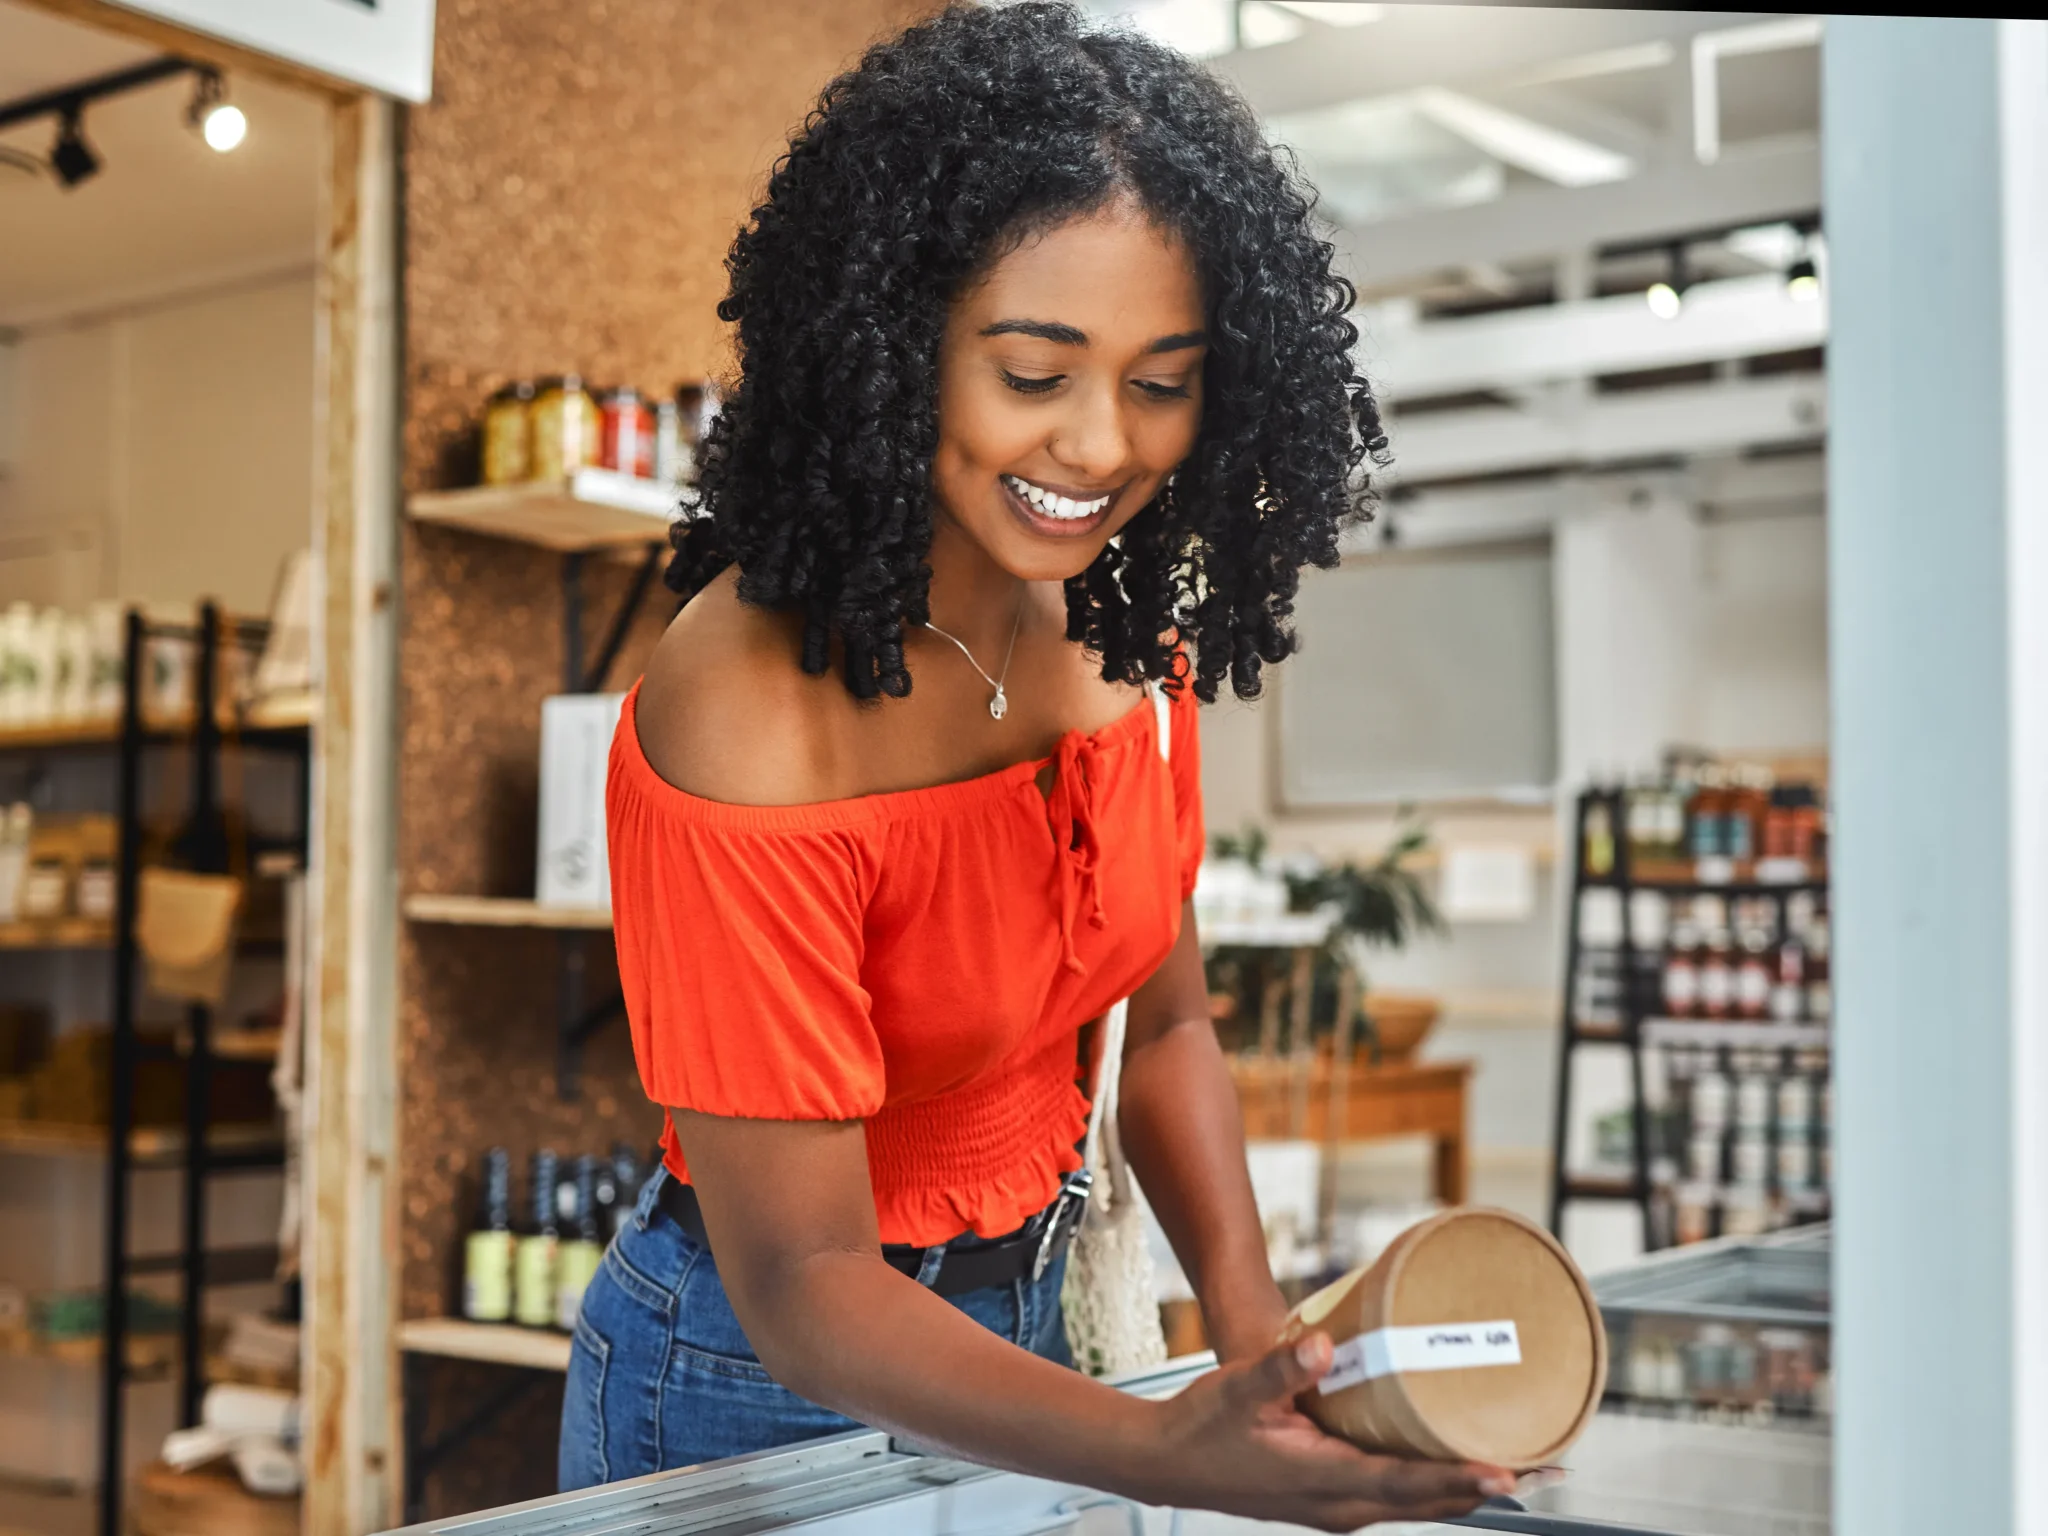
(1734, 318)
(1749, 185)
(1677, 422)
(1417, 45)
(1488, 513)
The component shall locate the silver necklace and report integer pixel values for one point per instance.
(1000, 704)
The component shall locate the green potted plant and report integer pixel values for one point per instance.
(1378, 906)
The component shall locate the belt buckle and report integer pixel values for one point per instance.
(1073, 1196)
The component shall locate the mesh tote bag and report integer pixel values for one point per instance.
(1108, 1298)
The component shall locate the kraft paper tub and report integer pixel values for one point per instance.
(1473, 1338)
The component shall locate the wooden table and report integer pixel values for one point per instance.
(1292, 1099)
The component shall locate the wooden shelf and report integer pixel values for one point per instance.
(592, 509)
(50, 1138)
(455, 1338)
(149, 1354)
(58, 933)
(280, 712)
(502, 912)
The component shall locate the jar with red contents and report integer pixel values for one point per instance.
(627, 433)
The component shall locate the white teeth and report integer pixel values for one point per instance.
(1060, 507)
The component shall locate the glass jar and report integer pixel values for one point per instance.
(628, 434)
(567, 434)
(508, 435)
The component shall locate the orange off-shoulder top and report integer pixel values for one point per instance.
(919, 961)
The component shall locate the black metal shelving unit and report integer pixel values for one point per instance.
(1637, 1008)
(204, 846)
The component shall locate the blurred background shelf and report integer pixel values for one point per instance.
(503, 912)
(593, 509)
(456, 1338)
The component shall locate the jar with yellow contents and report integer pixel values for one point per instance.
(567, 432)
(508, 435)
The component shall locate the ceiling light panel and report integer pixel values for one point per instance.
(1522, 142)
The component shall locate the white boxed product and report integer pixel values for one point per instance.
(575, 745)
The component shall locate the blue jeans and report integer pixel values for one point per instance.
(661, 1376)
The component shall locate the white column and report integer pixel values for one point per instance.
(1936, 145)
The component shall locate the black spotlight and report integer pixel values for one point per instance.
(73, 159)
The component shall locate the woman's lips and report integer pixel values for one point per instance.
(1046, 514)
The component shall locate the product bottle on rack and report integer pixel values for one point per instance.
(1706, 817)
(1682, 968)
(576, 1264)
(1753, 971)
(1717, 962)
(1820, 991)
(487, 1254)
(1644, 821)
(1788, 985)
(1598, 853)
(533, 1280)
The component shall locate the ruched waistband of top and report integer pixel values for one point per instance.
(982, 1159)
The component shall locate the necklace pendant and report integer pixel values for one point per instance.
(999, 705)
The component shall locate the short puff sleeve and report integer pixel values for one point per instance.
(740, 946)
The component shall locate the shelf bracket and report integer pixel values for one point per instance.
(421, 1458)
(576, 676)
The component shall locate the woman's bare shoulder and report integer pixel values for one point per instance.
(725, 711)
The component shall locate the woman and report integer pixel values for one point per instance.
(1046, 394)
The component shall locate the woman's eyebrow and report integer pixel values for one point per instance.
(1069, 336)
(1044, 330)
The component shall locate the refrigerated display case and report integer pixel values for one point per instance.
(868, 1484)
(1718, 1414)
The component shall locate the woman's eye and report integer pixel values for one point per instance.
(1024, 384)
(1159, 391)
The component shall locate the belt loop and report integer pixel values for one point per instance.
(928, 1271)
(650, 1195)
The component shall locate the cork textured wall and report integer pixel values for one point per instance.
(569, 196)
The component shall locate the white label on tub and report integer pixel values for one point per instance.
(1432, 1347)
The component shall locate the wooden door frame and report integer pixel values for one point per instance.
(348, 1165)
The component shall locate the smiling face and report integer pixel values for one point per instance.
(1070, 385)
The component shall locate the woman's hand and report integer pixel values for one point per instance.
(1235, 1441)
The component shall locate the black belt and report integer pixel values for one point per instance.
(1019, 1255)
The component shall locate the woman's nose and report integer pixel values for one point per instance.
(1092, 442)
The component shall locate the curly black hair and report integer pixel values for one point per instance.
(946, 147)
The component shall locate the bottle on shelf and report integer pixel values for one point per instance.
(487, 1254)
(1788, 985)
(1820, 991)
(1682, 969)
(577, 1260)
(533, 1279)
(1717, 959)
(1706, 817)
(1748, 803)
(1753, 971)
(1598, 853)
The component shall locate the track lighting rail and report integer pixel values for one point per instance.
(69, 100)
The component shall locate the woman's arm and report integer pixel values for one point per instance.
(790, 1215)
(1184, 1135)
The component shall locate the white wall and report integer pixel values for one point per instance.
(161, 454)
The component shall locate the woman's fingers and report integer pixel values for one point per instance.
(1282, 1374)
